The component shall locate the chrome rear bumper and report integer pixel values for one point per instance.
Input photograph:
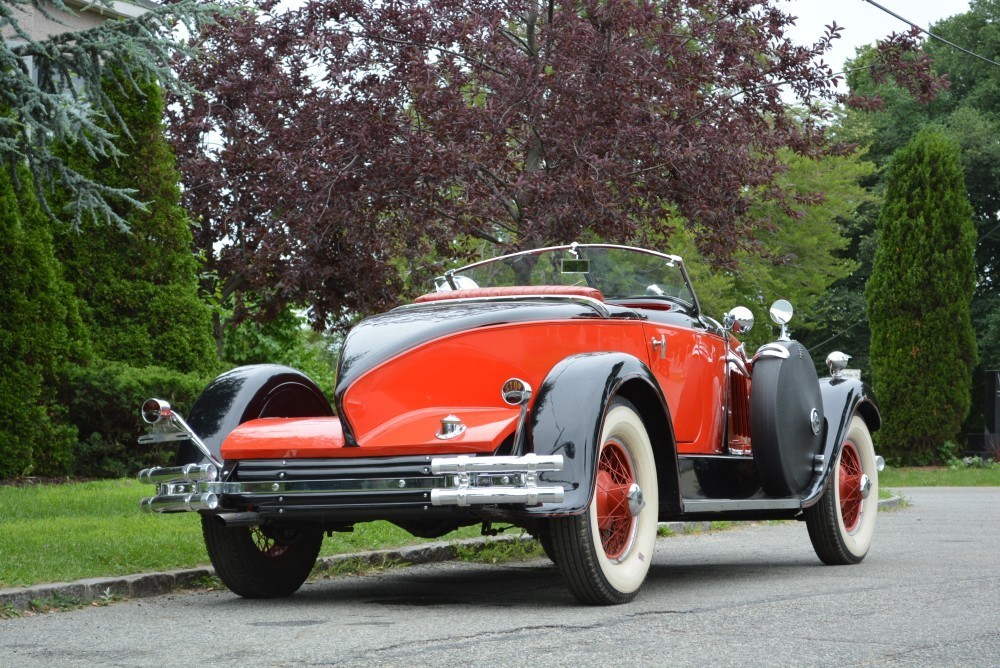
(448, 481)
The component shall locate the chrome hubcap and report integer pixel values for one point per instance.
(866, 486)
(635, 501)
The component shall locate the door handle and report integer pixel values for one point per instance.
(661, 344)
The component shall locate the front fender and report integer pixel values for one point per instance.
(842, 399)
(246, 393)
(568, 417)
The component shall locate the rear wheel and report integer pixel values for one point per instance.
(258, 564)
(605, 553)
(544, 538)
(841, 525)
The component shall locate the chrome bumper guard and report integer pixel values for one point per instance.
(453, 481)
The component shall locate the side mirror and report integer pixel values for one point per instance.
(739, 320)
(781, 313)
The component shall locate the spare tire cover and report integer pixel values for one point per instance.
(786, 419)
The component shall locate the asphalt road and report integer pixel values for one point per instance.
(927, 595)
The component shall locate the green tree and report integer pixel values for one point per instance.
(285, 339)
(139, 286)
(54, 89)
(923, 347)
(41, 333)
(803, 250)
(800, 254)
(969, 113)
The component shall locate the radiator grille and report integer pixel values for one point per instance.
(739, 413)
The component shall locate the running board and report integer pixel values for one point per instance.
(742, 506)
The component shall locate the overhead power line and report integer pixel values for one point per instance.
(930, 34)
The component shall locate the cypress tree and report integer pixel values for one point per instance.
(40, 334)
(138, 287)
(923, 348)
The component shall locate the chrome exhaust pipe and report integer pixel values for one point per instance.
(238, 519)
(175, 503)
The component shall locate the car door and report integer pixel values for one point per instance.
(688, 359)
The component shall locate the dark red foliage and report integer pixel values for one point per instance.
(334, 137)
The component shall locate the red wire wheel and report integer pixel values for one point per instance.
(258, 564)
(842, 523)
(614, 520)
(268, 547)
(604, 553)
(849, 481)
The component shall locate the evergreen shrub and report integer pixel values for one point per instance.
(923, 347)
(104, 400)
(39, 334)
(138, 287)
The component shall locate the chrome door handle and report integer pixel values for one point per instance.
(660, 343)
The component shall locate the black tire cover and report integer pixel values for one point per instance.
(783, 395)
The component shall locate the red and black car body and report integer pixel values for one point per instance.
(577, 391)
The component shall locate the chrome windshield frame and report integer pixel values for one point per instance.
(671, 260)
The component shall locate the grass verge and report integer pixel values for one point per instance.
(932, 476)
(65, 532)
(519, 549)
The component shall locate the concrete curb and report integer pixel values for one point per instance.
(145, 585)
(892, 503)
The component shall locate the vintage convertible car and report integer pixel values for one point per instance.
(577, 391)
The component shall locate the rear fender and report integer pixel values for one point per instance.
(842, 399)
(568, 417)
(247, 393)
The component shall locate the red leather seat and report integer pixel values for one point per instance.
(513, 291)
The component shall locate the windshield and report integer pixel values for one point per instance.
(619, 272)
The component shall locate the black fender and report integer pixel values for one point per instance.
(843, 398)
(568, 416)
(246, 393)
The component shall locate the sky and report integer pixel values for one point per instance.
(863, 23)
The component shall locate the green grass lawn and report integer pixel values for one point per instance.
(55, 533)
(939, 477)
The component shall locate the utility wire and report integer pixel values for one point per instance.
(843, 331)
(949, 43)
(929, 33)
(865, 319)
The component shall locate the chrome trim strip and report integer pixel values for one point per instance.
(528, 463)
(469, 496)
(772, 350)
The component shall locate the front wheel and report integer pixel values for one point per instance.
(258, 563)
(604, 554)
(841, 525)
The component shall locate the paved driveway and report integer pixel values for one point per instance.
(927, 595)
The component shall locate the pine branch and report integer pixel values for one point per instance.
(65, 102)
